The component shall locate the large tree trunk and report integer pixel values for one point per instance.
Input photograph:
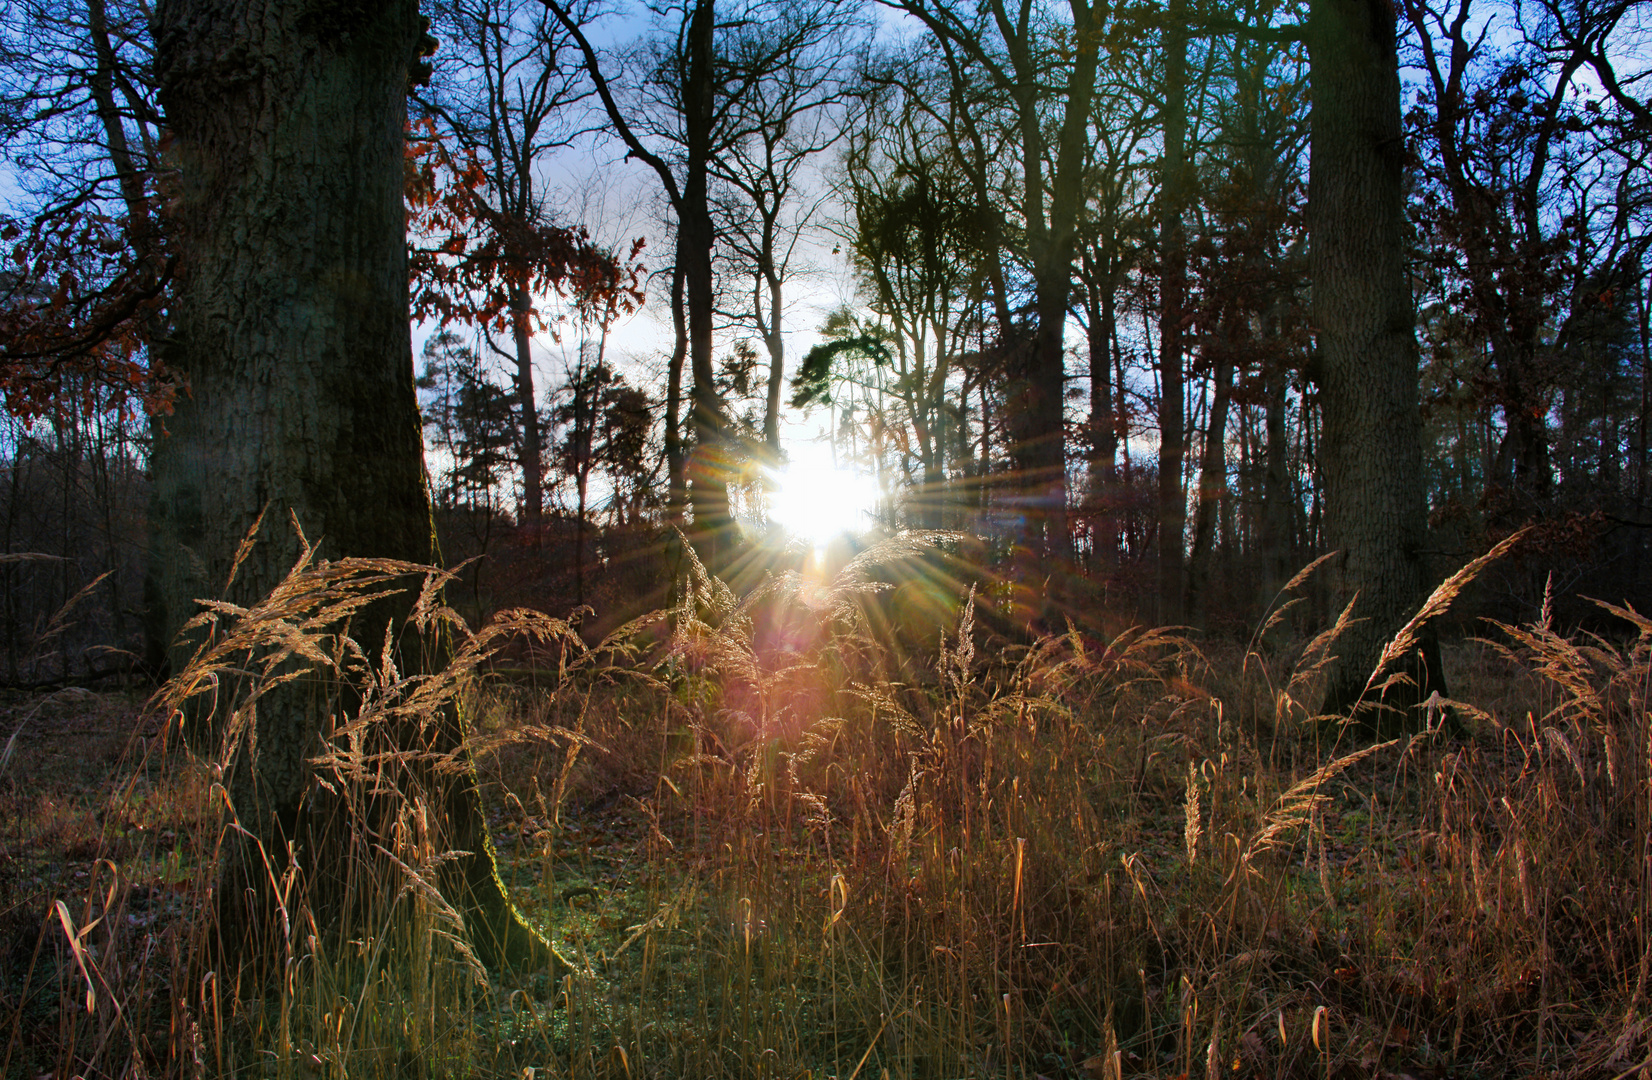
(292, 329)
(1371, 448)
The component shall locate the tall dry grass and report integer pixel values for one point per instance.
(758, 854)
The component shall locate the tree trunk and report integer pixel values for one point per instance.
(1213, 487)
(1279, 540)
(531, 450)
(127, 173)
(583, 442)
(676, 465)
(1051, 211)
(1371, 447)
(1643, 308)
(1172, 304)
(775, 342)
(708, 467)
(292, 329)
(1104, 433)
(1523, 453)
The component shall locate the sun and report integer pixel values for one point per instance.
(817, 502)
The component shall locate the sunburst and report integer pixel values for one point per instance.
(817, 502)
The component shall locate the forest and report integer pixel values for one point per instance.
(1006, 538)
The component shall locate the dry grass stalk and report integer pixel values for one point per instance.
(1279, 611)
(1297, 806)
(1436, 605)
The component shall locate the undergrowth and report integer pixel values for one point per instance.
(757, 854)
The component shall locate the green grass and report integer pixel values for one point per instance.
(1087, 859)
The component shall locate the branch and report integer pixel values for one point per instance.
(1211, 26)
(634, 145)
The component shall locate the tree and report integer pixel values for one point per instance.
(1111, 239)
(916, 234)
(1371, 449)
(500, 99)
(785, 119)
(86, 275)
(696, 93)
(1250, 311)
(1041, 69)
(472, 423)
(292, 327)
(687, 78)
(86, 271)
(1520, 203)
(628, 453)
(1174, 195)
(603, 422)
(1600, 391)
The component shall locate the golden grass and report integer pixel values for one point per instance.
(1086, 859)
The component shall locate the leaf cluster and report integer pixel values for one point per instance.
(75, 299)
(474, 263)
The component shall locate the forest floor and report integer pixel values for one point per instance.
(1023, 880)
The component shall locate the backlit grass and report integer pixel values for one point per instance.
(1087, 858)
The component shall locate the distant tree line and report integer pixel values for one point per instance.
(1164, 301)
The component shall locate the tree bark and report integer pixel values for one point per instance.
(1279, 536)
(1371, 446)
(127, 173)
(1052, 225)
(1643, 309)
(706, 468)
(773, 340)
(292, 329)
(1050, 213)
(1052, 195)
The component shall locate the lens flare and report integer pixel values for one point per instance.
(818, 503)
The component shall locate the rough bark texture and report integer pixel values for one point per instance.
(292, 329)
(1371, 448)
